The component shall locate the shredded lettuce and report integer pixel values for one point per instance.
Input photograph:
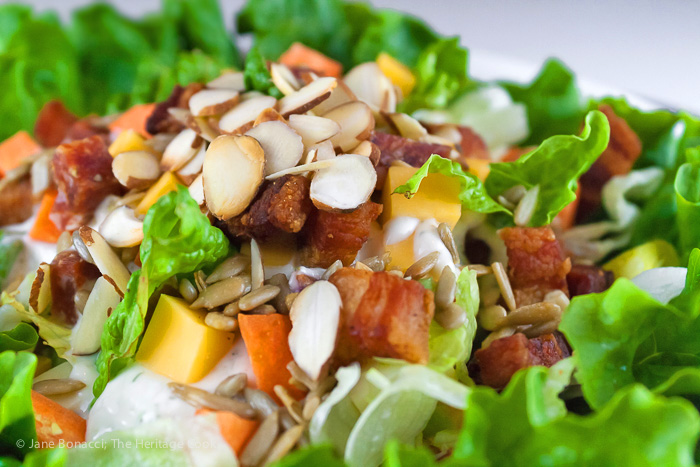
(257, 76)
(554, 166)
(528, 422)
(21, 337)
(314, 455)
(473, 195)
(624, 335)
(9, 251)
(178, 239)
(553, 101)
(687, 186)
(16, 413)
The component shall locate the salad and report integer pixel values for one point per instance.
(336, 249)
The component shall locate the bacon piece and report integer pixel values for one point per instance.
(83, 174)
(584, 279)
(382, 316)
(498, 362)
(85, 128)
(335, 236)
(536, 263)
(282, 205)
(160, 121)
(469, 143)
(53, 123)
(16, 201)
(618, 158)
(412, 152)
(69, 273)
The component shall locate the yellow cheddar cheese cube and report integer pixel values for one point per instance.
(128, 140)
(437, 198)
(178, 344)
(402, 254)
(166, 183)
(397, 72)
(479, 167)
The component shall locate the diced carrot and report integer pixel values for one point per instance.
(266, 338)
(44, 229)
(567, 216)
(14, 149)
(55, 423)
(134, 119)
(235, 430)
(300, 55)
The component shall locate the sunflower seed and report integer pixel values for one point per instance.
(229, 268)
(537, 330)
(533, 314)
(202, 399)
(262, 440)
(257, 271)
(503, 332)
(292, 405)
(310, 406)
(199, 281)
(558, 297)
(423, 266)
(299, 374)
(289, 299)
(222, 292)
(526, 206)
(375, 263)
(260, 401)
(263, 310)
(449, 241)
(279, 302)
(446, 288)
(452, 317)
(81, 248)
(258, 297)
(56, 387)
(504, 285)
(218, 320)
(284, 444)
(231, 309)
(481, 269)
(286, 420)
(232, 385)
(515, 194)
(187, 290)
(492, 317)
(332, 269)
(362, 266)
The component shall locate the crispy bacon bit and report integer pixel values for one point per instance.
(69, 273)
(86, 128)
(618, 158)
(536, 263)
(160, 120)
(83, 174)
(52, 123)
(412, 152)
(469, 143)
(382, 316)
(498, 362)
(16, 201)
(584, 279)
(335, 236)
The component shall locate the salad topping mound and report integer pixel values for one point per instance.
(342, 251)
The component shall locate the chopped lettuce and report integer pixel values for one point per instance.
(314, 455)
(22, 337)
(553, 101)
(9, 251)
(554, 166)
(687, 186)
(178, 239)
(624, 335)
(528, 422)
(473, 195)
(16, 413)
(257, 76)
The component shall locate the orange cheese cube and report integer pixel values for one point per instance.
(399, 74)
(179, 345)
(128, 140)
(166, 183)
(479, 167)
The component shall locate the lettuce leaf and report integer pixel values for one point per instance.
(554, 103)
(528, 422)
(16, 413)
(9, 251)
(554, 166)
(257, 76)
(624, 335)
(21, 337)
(687, 186)
(178, 239)
(473, 195)
(320, 455)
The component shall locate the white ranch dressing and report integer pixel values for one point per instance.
(399, 229)
(427, 240)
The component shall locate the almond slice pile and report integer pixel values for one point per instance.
(180, 150)
(241, 117)
(106, 260)
(356, 124)
(313, 129)
(372, 87)
(347, 183)
(210, 102)
(307, 97)
(231, 80)
(283, 147)
(136, 169)
(121, 228)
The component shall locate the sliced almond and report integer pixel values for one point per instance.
(284, 79)
(307, 97)
(283, 146)
(318, 165)
(102, 300)
(371, 86)
(121, 228)
(368, 149)
(346, 184)
(193, 168)
(180, 150)
(183, 116)
(232, 172)
(136, 169)
(208, 102)
(313, 129)
(231, 80)
(40, 293)
(268, 115)
(339, 96)
(315, 316)
(244, 114)
(106, 260)
(406, 126)
(206, 127)
(324, 151)
(257, 271)
(196, 190)
(356, 124)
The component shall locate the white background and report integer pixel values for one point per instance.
(651, 48)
